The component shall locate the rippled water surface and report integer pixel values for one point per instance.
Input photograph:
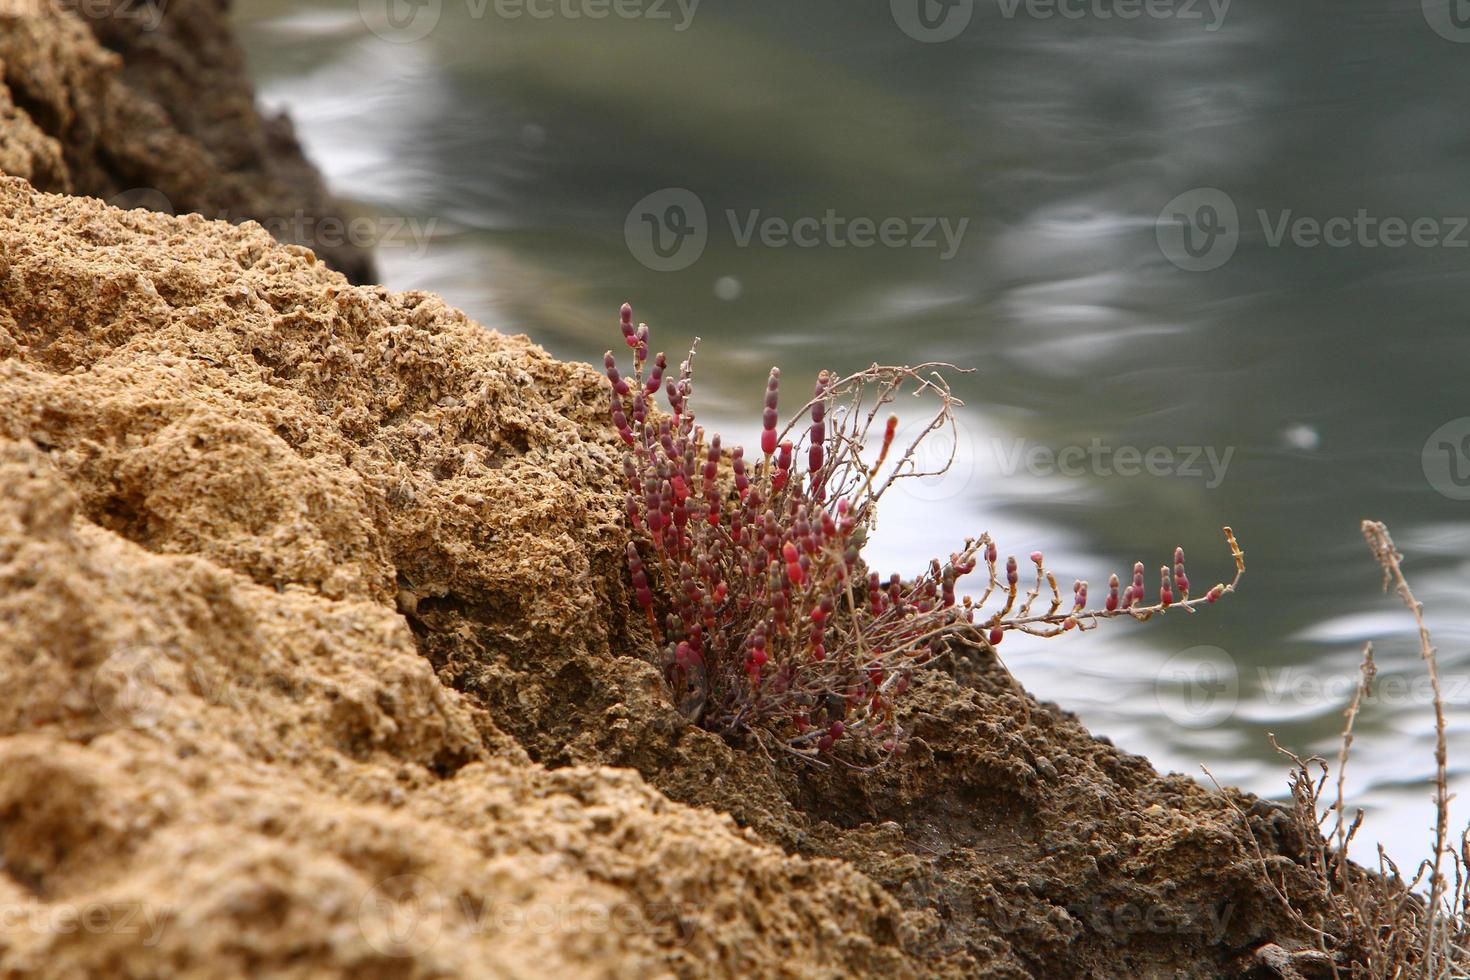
(1206, 266)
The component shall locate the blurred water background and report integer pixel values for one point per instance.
(1131, 267)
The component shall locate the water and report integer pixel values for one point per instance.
(1292, 386)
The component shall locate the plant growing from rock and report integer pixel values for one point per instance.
(750, 572)
(1379, 923)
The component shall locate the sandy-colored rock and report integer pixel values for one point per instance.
(315, 652)
(148, 104)
(222, 472)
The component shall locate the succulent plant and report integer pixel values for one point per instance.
(751, 575)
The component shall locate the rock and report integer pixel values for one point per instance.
(148, 105)
(317, 658)
(219, 739)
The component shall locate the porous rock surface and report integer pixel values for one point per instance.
(315, 659)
